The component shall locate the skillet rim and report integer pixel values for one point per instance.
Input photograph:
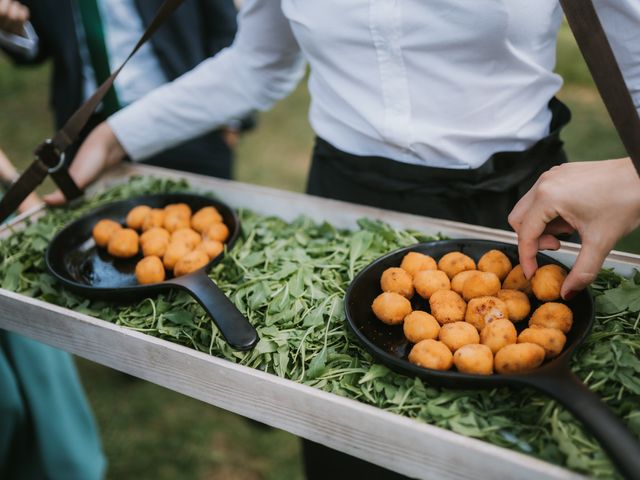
(402, 365)
(138, 289)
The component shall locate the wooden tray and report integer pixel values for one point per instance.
(416, 449)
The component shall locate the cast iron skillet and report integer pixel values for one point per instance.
(388, 344)
(75, 260)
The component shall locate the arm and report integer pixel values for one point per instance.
(262, 66)
(599, 200)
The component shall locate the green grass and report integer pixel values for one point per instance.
(150, 432)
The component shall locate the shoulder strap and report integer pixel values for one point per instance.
(596, 50)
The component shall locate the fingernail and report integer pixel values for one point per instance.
(570, 295)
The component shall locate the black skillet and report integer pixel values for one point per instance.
(388, 344)
(75, 260)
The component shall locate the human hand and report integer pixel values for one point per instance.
(13, 16)
(231, 137)
(99, 151)
(599, 200)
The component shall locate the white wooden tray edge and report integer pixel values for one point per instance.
(401, 444)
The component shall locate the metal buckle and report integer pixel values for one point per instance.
(50, 155)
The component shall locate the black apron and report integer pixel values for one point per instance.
(481, 196)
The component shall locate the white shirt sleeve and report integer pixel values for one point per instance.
(26, 45)
(621, 22)
(262, 66)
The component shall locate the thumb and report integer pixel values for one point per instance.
(590, 259)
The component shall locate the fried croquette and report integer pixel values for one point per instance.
(551, 339)
(431, 354)
(457, 282)
(475, 359)
(191, 262)
(517, 281)
(427, 282)
(496, 262)
(517, 303)
(188, 236)
(547, 281)
(397, 280)
(498, 334)
(123, 243)
(104, 230)
(154, 246)
(204, 218)
(181, 209)
(217, 231)
(150, 270)
(414, 262)
(155, 218)
(155, 232)
(175, 251)
(447, 306)
(455, 262)
(518, 358)
(484, 310)
(457, 334)
(175, 221)
(391, 308)
(553, 315)
(419, 325)
(482, 284)
(136, 216)
(212, 248)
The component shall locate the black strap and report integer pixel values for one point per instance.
(49, 156)
(596, 50)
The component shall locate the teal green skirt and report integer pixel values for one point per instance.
(47, 430)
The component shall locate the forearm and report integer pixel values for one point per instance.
(263, 65)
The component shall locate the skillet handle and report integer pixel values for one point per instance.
(620, 444)
(233, 326)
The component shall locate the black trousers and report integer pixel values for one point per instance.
(483, 196)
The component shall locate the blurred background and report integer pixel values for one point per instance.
(151, 432)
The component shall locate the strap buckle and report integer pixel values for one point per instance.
(50, 155)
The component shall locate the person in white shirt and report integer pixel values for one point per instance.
(443, 107)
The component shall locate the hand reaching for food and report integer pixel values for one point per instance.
(598, 200)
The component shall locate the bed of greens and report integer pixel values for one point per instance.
(289, 280)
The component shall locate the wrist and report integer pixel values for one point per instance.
(115, 152)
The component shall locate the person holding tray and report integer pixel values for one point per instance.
(441, 108)
(46, 426)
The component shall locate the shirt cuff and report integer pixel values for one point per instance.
(26, 45)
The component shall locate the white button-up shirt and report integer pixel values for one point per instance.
(443, 83)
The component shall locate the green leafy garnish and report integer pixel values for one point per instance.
(289, 279)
